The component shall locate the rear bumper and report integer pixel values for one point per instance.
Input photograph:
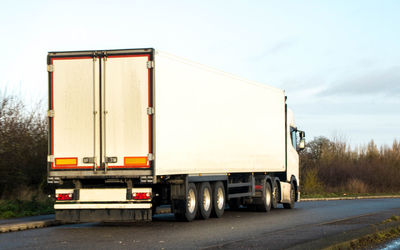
(103, 215)
(103, 204)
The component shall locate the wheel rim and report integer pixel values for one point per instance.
(267, 197)
(191, 201)
(206, 199)
(274, 194)
(220, 198)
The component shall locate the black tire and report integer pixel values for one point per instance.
(292, 198)
(266, 199)
(275, 195)
(186, 210)
(205, 200)
(218, 199)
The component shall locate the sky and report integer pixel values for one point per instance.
(337, 60)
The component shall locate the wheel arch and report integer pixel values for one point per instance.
(277, 182)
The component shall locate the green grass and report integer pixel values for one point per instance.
(371, 241)
(17, 208)
(375, 239)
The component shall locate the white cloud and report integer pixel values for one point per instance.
(376, 82)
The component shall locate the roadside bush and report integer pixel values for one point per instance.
(339, 169)
(356, 186)
(23, 149)
(18, 208)
(311, 182)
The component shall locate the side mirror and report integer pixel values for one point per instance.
(302, 144)
(302, 134)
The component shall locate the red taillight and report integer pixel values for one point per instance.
(64, 197)
(141, 196)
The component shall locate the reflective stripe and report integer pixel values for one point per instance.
(135, 161)
(103, 206)
(66, 161)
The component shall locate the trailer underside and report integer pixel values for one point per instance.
(189, 197)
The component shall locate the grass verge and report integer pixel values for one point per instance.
(370, 240)
(374, 239)
(18, 208)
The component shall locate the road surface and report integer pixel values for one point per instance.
(308, 225)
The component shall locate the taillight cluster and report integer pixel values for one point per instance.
(64, 197)
(141, 196)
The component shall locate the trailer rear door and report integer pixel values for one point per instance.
(100, 112)
(126, 122)
(73, 106)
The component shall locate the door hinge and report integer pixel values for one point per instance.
(150, 64)
(50, 113)
(50, 68)
(50, 158)
(150, 111)
(150, 157)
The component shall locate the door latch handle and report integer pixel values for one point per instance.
(111, 159)
(89, 160)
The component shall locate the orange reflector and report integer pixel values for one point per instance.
(135, 161)
(66, 161)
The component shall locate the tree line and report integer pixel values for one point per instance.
(23, 150)
(332, 166)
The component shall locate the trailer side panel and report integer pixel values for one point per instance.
(211, 122)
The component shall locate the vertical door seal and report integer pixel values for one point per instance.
(94, 115)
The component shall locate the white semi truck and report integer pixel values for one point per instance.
(135, 129)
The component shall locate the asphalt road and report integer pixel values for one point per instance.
(308, 222)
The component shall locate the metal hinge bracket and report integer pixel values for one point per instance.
(50, 113)
(150, 64)
(50, 158)
(146, 179)
(54, 180)
(150, 157)
(50, 68)
(150, 111)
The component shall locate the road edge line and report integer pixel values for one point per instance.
(351, 198)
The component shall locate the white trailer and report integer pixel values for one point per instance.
(134, 129)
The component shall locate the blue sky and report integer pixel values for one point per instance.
(339, 61)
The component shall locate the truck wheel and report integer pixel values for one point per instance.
(186, 209)
(205, 200)
(292, 198)
(266, 200)
(275, 195)
(218, 199)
